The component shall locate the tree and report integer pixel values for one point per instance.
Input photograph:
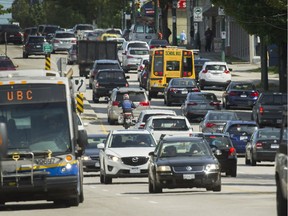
(268, 20)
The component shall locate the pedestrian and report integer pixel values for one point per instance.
(160, 35)
(208, 39)
(183, 37)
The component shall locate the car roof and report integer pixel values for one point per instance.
(130, 89)
(130, 131)
(182, 138)
(233, 122)
(167, 117)
(106, 61)
(215, 62)
(110, 70)
(148, 111)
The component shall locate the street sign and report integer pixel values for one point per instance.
(221, 11)
(47, 48)
(79, 84)
(197, 14)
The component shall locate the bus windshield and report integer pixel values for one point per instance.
(37, 127)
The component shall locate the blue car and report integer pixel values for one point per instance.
(240, 133)
(240, 94)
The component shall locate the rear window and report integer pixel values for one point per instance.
(242, 128)
(50, 29)
(105, 75)
(9, 28)
(248, 86)
(218, 141)
(36, 39)
(216, 67)
(184, 83)
(64, 35)
(203, 97)
(107, 66)
(143, 45)
(222, 116)
(134, 96)
(274, 99)
(139, 52)
(6, 64)
(169, 124)
(172, 66)
(264, 134)
(154, 114)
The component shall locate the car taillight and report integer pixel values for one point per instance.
(232, 152)
(144, 103)
(56, 41)
(226, 71)
(141, 67)
(192, 104)
(261, 110)
(209, 124)
(205, 71)
(151, 46)
(195, 90)
(173, 90)
(73, 41)
(127, 85)
(141, 126)
(115, 103)
(254, 94)
(214, 103)
(259, 145)
(232, 93)
(129, 57)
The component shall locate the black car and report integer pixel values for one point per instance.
(197, 104)
(262, 145)
(198, 63)
(106, 80)
(227, 155)
(183, 162)
(10, 33)
(177, 89)
(240, 94)
(90, 157)
(34, 46)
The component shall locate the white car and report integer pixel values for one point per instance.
(214, 74)
(125, 154)
(165, 124)
(145, 114)
(62, 41)
(133, 58)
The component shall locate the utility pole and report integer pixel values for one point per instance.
(223, 32)
(174, 26)
(156, 15)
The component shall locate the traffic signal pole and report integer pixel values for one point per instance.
(174, 25)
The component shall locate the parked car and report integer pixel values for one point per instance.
(106, 80)
(240, 133)
(198, 63)
(227, 154)
(214, 120)
(133, 58)
(240, 94)
(268, 109)
(262, 145)
(183, 162)
(155, 43)
(62, 41)
(90, 157)
(34, 46)
(214, 74)
(10, 33)
(125, 154)
(197, 104)
(6, 63)
(145, 114)
(177, 89)
(72, 55)
(167, 124)
(102, 64)
(136, 94)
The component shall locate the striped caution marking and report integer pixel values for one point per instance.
(47, 62)
(80, 102)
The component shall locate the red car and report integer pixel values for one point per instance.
(6, 64)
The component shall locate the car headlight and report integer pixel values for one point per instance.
(163, 169)
(85, 157)
(212, 167)
(113, 158)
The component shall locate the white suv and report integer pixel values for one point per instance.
(214, 74)
(125, 154)
(133, 58)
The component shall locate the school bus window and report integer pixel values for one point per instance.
(187, 66)
(172, 65)
(158, 64)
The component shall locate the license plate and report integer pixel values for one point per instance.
(202, 106)
(38, 46)
(11, 36)
(243, 96)
(135, 170)
(184, 92)
(188, 176)
(97, 164)
(274, 146)
(243, 137)
(279, 121)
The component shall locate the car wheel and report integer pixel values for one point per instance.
(217, 188)
(101, 177)
(281, 202)
(25, 55)
(154, 187)
(168, 103)
(233, 172)
(95, 99)
(150, 186)
(247, 161)
(107, 180)
(253, 161)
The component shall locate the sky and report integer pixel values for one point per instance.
(6, 4)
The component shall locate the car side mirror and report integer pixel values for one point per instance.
(151, 154)
(101, 146)
(230, 69)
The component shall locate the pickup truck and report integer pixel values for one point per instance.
(268, 109)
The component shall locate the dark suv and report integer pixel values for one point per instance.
(106, 80)
(10, 33)
(34, 46)
(102, 64)
(267, 110)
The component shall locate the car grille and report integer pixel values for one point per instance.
(94, 157)
(135, 161)
(182, 169)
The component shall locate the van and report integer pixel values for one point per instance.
(142, 32)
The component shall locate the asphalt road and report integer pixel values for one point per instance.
(252, 192)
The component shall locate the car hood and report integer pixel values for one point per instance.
(91, 151)
(130, 152)
(183, 161)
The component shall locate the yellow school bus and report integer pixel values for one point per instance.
(167, 63)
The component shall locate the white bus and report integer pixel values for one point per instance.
(41, 156)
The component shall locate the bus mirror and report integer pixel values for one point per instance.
(3, 140)
(82, 141)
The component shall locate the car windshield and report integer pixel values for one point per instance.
(169, 124)
(184, 149)
(132, 140)
(221, 116)
(94, 141)
(108, 75)
(134, 96)
(242, 128)
(6, 64)
(183, 83)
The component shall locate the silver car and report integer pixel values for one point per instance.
(137, 95)
(62, 41)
